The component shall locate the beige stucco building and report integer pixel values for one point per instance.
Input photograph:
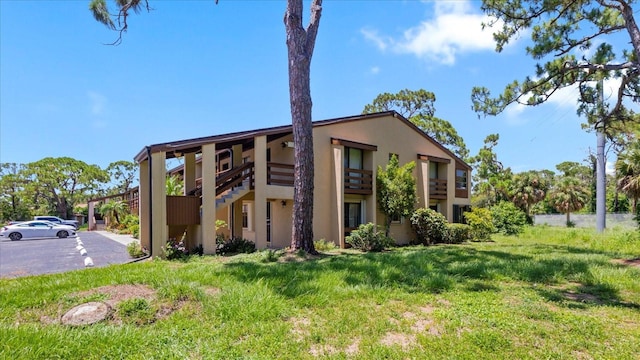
(246, 180)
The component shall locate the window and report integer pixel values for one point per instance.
(245, 216)
(397, 219)
(458, 213)
(461, 179)
(352, 215)
(353, 158)
(433, 170)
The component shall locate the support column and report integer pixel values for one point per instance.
(160, 232)
(144, 204)
(451, 190)
(208, 216)
(189, 172)
(423, 182)
(236, 156)
(91, 216)
(337, 201)
(260, 208)
(236, 213)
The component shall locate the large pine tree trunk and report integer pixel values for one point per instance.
(300, 44)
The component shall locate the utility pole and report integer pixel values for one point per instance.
(600, 165)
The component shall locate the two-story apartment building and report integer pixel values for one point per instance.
(246, 180)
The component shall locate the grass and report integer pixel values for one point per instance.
(549, 293)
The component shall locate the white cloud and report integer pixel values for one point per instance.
(372, 35)
(97, 102)
(375, 70)
(455, 28)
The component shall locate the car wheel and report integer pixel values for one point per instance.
(15, 236)
(62, 234)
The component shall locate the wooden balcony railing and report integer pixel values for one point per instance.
(438, 189)
(235, 177)
(358, 181)
(280, 174)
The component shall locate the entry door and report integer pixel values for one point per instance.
(268, 223)
(353, 215)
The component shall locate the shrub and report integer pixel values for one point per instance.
(479, 219)
(430, 226)
(175, 250)
(129, 220)
(507, 218)
(323, 245)
(135, 249)
(368, 237)
(134, 230)
(237, 245)
(198, 249)
(458, 233)
(270, 256)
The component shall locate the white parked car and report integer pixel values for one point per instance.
(57, 220)
(36, 229)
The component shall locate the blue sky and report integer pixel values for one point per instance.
(193, 68)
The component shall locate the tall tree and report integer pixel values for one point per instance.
(491, 180)
(123, 174)
(579, 44)
(396, 190)
(563, 35)
(569, 195)
(63, 182)
(300, 44)
(418, 107)
(13, 199)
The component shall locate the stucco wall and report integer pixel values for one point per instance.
(390, 135)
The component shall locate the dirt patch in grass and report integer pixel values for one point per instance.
(118, 293)
(299, 328)
(318, 350)
(353, 348)
(581, 297)
(111, 296)
(401, 339)
(299, 256)
(420, 324)
(629, 262)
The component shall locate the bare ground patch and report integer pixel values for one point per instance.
(629, 262)
(421, 324)
(111, 296)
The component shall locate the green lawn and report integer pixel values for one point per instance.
(551, 293)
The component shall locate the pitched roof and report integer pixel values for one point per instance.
(174, 148)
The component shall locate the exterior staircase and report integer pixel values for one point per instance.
(233, 194)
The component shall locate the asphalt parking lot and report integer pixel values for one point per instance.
(52, 255)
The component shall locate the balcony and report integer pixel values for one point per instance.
(438, 189)
(280, 174)
(358, 181)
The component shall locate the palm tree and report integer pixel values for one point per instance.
(628, 173)
(112, 210)
(527, 189)
(568, 196)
